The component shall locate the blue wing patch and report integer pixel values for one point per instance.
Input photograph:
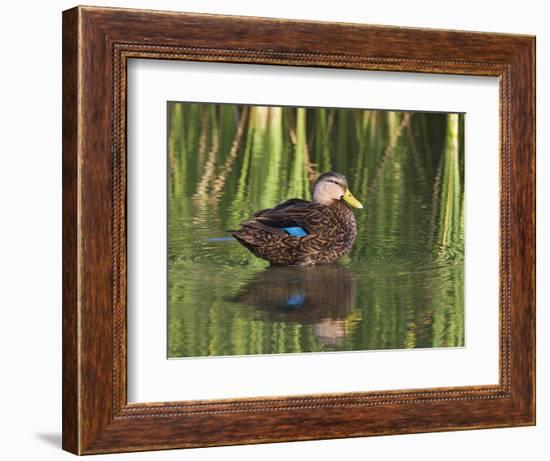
(296, 300)
(295, 231)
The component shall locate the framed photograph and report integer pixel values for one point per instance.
(284, 230)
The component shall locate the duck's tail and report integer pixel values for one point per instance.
(244, 239)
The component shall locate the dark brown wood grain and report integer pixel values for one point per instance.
(97, 43)
(70, 393)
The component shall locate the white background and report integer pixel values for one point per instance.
(30, 229)
(153, 378)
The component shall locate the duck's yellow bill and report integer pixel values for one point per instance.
(351, 200)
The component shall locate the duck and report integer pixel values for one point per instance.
(299, 232)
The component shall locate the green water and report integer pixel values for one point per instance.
(402, 285)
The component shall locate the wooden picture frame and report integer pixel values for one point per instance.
(97, 43)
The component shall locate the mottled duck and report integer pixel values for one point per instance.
(302, 233)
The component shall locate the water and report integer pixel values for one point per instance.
(402, 285)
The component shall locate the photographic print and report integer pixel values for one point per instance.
(305, 229)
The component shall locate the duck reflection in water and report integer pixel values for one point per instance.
(322, 296)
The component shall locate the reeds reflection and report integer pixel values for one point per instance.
(402, 286)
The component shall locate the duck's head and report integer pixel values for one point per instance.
(330, 187)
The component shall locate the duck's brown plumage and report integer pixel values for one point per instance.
(331, 231)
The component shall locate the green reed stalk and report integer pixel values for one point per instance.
(299, 184)
(271, 186)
